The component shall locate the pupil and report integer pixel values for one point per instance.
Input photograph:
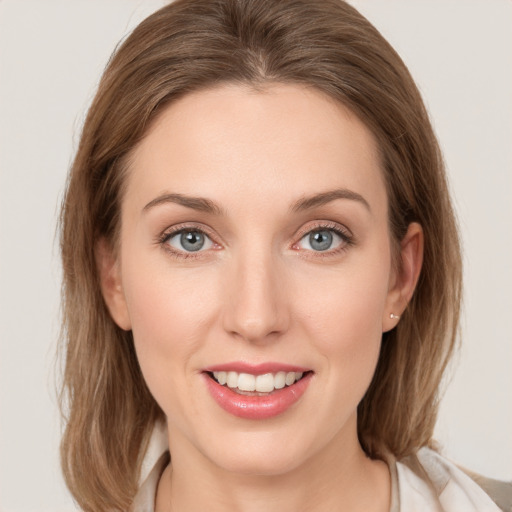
(320, 240)
(192, 241)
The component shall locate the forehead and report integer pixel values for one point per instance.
(238, 145)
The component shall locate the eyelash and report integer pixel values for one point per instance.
(176, 230)
(345, 235)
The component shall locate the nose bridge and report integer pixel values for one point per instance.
(256, 306)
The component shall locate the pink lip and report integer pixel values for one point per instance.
(255, 369)
(257, 407)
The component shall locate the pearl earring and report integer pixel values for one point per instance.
(393, 316)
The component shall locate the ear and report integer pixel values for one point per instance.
(111, 284)
(405, 277)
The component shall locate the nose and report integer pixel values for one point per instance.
(256, 309)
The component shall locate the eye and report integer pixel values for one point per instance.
(323, 239)
(189, 240)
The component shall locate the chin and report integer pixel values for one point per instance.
(252, 465)
(262, 454)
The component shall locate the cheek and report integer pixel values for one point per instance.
(343, 315)
(171, 312)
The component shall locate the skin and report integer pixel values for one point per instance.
(260, 292)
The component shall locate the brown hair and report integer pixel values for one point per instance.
(193, 44)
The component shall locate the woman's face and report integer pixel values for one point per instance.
(255, 241)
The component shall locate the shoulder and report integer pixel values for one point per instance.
(449, 487)
(500, 491)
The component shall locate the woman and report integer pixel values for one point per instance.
(261, 271)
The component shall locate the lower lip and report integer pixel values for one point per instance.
(257, 407)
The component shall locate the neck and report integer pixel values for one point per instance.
(340, 477)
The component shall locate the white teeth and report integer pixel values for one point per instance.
(265, 383)
(290, 378)
(280, 380)
(246, 382)
(232, 379)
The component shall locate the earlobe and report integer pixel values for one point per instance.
(405, 277)
(111, 284)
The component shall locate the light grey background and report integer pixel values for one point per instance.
(52, 53)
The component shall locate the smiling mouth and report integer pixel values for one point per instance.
(256, 385)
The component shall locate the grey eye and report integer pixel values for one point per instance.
(190, 241)
(321, 240)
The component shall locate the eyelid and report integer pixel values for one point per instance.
(325, 224)
(186, 226)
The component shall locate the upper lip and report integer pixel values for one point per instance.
(255, 369)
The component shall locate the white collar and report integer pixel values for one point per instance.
(427, 482)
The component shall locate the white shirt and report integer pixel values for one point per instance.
(425, 482)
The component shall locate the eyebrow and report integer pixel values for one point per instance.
(195, 203)
(316, 200)
(305, 203)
